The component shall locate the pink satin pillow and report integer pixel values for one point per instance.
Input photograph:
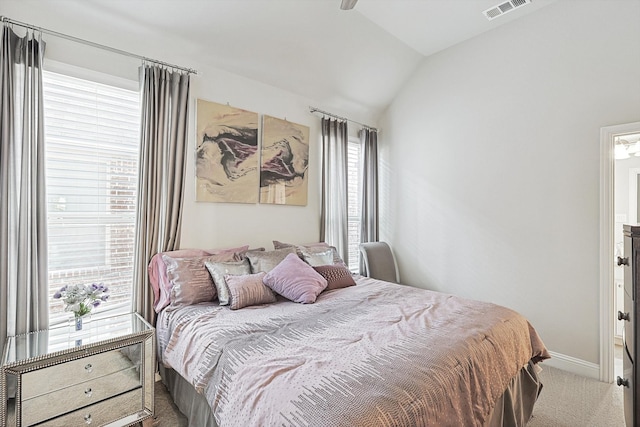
(157, 270)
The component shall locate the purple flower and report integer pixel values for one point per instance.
(80, 298)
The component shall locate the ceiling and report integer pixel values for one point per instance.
(429, 26)
(350, 61)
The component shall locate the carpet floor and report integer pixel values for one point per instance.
(167, 413)
(569, 400)
(566, 400)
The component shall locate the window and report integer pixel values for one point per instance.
(354, 149)
(92, 148)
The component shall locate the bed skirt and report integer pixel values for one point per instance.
(513, 409)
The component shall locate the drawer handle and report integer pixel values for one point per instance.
(87, 419)
(623, 261)
(88, 367)
(88, 392)
(623, 316)
(623, 382)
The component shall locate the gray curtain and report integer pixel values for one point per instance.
(334, 221)
(163, 144)
(369, 220)
(24, 304)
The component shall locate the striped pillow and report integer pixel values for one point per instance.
(248, 289)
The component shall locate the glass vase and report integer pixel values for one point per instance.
(78, 322)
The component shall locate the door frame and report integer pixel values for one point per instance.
(607, 222)
(633, 193)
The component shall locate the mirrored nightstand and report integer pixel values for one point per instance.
(101, 375)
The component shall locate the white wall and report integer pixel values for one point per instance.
(211, 225)
(205, 225)
(490, 160)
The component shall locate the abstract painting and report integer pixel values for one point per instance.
(285, 160)
(227, 154)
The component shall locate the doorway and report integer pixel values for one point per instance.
(619, 172)
(625, 196)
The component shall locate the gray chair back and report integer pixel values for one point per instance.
(379, 262)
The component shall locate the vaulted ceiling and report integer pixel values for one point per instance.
(355, 59)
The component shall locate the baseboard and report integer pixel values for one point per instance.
(573, 365)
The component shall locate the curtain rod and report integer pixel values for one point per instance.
(96, 45)
(335, 116)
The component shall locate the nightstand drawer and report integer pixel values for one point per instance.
(62, 401)
(101, 413)
(57, 377)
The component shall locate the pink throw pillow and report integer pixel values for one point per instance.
(295, 280)
(248, 289)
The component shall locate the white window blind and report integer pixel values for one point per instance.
(353, 204)
(92, 146)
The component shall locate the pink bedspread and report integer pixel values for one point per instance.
(372, 354)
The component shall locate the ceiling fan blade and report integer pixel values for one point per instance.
(348, 4)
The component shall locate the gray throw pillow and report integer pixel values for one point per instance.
(266, 261)
(317, 256)
(218, 270)
(337, 259)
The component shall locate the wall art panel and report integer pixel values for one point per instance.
(227, 154)
(284, 163)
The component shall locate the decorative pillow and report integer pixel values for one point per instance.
(295, 280)
(157, 270)
(266, 261)
(336, 257)
(218, 270)
(337, 276)
(248, 289)
(317, 255)
(190, 282)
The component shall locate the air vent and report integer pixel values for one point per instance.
(505, 7)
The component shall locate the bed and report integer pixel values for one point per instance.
(373, 354)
